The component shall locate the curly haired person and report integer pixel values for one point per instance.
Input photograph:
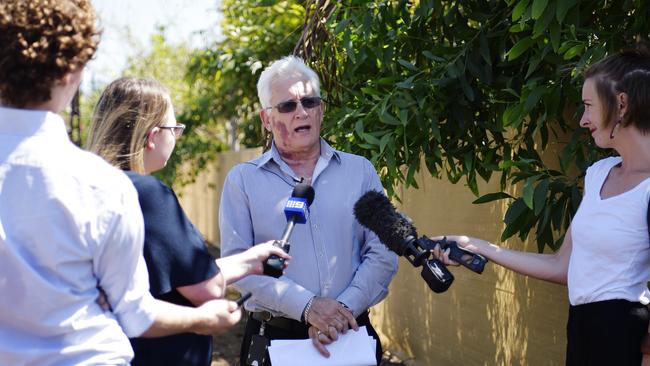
(69, 222)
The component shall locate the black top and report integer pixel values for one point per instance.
(176, 256)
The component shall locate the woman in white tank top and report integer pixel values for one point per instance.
(605, 257)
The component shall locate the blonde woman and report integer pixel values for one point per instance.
(134, 129)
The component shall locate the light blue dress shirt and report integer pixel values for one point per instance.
(69, 222)
(332, 254)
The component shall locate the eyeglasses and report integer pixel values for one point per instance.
(291, 105)
(176, 130)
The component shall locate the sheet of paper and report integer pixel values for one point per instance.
(351, 349)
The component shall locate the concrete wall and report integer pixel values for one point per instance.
(497, 318)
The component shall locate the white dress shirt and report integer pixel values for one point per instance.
(332, 254)
(69, 222)
(610, 257)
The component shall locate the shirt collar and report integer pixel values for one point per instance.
(29, 122)
(327, 152)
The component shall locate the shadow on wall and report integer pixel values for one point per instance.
(497, 318)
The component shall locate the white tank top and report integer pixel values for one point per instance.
(610, 258)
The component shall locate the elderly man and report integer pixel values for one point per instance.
(339, 269)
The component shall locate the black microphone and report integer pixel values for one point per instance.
(296, 212)
(374, 211)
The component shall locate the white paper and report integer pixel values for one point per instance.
(351, 349)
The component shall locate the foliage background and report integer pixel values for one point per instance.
(474, 88)
(467, 89)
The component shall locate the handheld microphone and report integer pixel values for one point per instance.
(374, 211)
(296, 212)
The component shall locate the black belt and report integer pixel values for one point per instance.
(287, 323)
(278, 321)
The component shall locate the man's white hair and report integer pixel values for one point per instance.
(284, 68)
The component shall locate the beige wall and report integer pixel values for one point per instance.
(497, 318)
(201, 199)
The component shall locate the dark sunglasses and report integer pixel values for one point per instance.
(176, 130)
(291, 105)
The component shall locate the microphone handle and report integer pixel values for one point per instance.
(287, 230)
(274, 265)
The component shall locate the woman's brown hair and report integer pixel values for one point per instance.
(125, 113)
(40, 42)
(609, 74)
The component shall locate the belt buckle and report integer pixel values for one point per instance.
(264, 316)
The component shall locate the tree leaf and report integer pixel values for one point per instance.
(384, 141)
(529, 189)
(467, 90)
(358, 127)
(491, 197)
(432, 57)
(513, 115)
(406, 84)
(542, 23)
(538, 8)
(435, 130)
(371, 139)
(562, 8)
(342, 24)
(555, 36)
(573, 51)
(533, 98)
(539, 198)
(519, 9)
(387, 118)
(407, 64)
(404, 116)
(516, 209)
(520, 47)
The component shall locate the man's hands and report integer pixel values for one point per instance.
(328, 318)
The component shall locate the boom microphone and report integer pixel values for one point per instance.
(374, 211)
(296, 212)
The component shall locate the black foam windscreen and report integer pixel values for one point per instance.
(304, 190)
(374, 211)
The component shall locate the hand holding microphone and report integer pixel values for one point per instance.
(296, 212)
(374, 211)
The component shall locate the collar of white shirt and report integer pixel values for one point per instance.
(28, 122)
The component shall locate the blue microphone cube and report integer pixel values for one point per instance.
(296, 207)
